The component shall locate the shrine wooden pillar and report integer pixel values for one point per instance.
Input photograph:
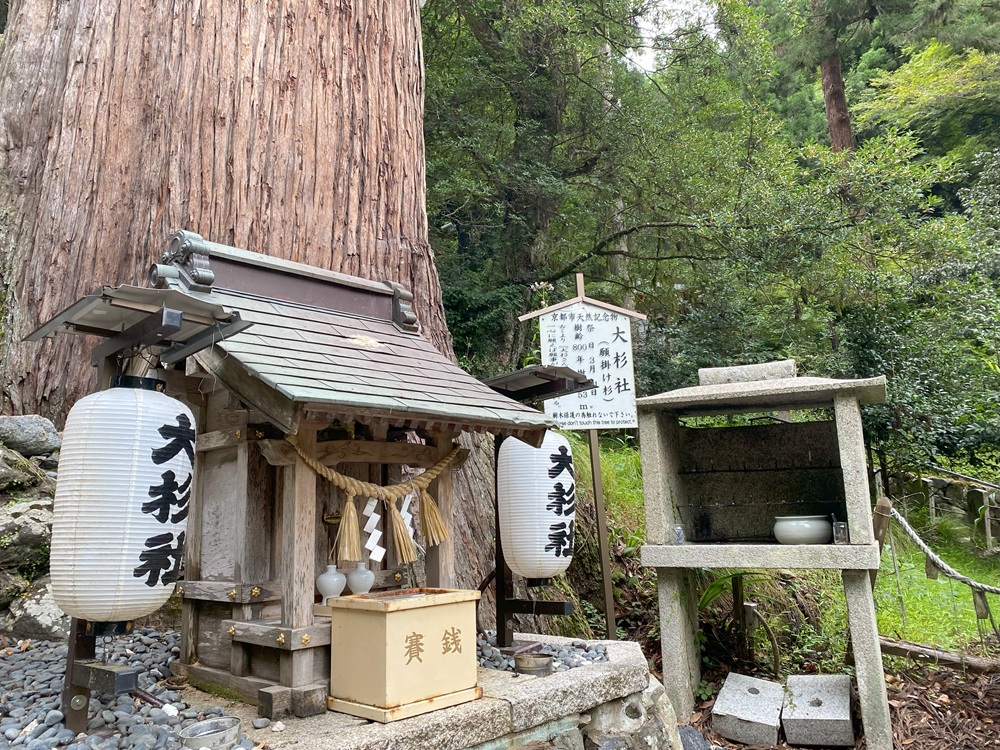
(440, 560)
(298, 557)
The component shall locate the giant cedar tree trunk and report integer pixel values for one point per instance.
(288, 128)
(292, 129)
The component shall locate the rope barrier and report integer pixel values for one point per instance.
(938, 562)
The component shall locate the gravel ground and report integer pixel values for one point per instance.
(576, 654)
(31, 680)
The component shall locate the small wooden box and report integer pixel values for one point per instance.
(402, 653)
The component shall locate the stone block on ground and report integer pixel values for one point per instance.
(818, 711)
(748, 710)
(274, 702)
(309, 700)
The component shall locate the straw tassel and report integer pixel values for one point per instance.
(400, 538)
(431, 523)
(348, 541)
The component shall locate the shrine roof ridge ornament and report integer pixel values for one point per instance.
(193, 264)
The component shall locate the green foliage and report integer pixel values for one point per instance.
(950, 100)
(982, 201)
(705, 690)
(700, 195)
(722, 584)
(479, 322)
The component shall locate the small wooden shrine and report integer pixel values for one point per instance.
(262, 350)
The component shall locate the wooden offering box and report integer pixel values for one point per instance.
(402, 653)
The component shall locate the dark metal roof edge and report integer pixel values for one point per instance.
(294, 268)
(206, 297)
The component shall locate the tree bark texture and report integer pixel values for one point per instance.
(288, 128)
(838, 118)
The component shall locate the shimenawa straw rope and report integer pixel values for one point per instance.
(348, 541)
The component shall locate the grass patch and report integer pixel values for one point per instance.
(621, 478)
(220, 691)
(937, 612)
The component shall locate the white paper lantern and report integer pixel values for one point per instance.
(121, 504)
(536, 496)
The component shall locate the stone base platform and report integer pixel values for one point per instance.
(602, 701)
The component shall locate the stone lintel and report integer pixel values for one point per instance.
(786, 556)
(784, 368)
(764, 395)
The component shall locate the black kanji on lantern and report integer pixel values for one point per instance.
(181, 438)
(563, 499)
(561, 539)
(167, 495)
(161, 562)
(561, 461)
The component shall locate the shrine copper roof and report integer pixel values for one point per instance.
(310, 344)
(347, 366)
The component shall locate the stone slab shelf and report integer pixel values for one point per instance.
(790, 556)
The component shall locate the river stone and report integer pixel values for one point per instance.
(30, 435)
(37, 616)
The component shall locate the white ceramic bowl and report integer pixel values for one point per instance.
(803, 529)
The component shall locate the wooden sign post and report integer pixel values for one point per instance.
(595, 339)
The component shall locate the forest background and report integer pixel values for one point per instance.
(789, 178)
